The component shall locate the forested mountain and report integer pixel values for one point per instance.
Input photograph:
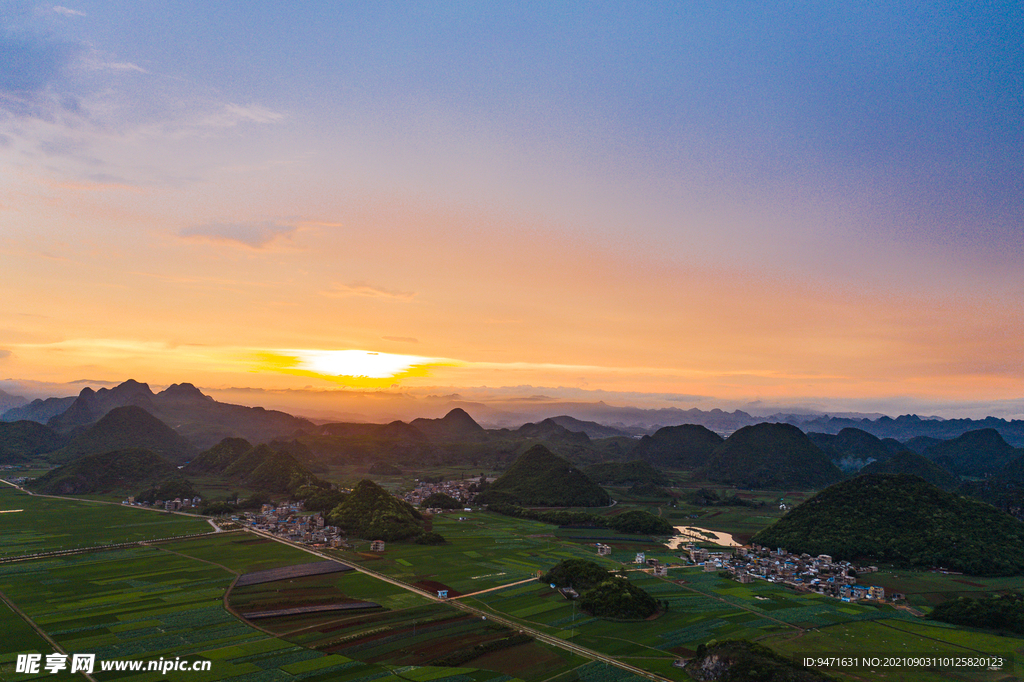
(902, 520)
(592, 429)
(264, 468)
(976, 453)
(23, 440)
(127, 471)
(550, 430)
(770, 456)
(126, 428)
(908, 462)
(688, 446)
(541, 478)
(851, 448)
(195, 416)
(456, 426)
(372, 513)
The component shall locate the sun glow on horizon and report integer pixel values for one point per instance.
(351, 366)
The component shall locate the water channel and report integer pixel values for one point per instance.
(688, 534)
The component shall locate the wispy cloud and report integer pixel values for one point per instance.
(97, 63)
(67, 12)
(229, 115)
(401, 339)
(364, 289)
(254, 235)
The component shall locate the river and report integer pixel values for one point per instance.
(688, 534)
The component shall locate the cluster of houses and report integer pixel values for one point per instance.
(803, 572)
(658, 569)
(290, 523)
(177, 504)
(458, 490)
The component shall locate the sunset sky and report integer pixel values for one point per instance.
(696, 204)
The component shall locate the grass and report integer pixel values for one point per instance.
(925, 589)
(903, 638)
(487, 549)
(242, 552)
(47, 523)
(18, 637)
(167, 600)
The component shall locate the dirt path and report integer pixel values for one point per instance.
(494, 589)
(230, 609)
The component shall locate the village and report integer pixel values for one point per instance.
(289, 522)
(462, 490)
(820, 574)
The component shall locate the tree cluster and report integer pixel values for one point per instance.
(1003, 612)
(601, 593)
(635, 521)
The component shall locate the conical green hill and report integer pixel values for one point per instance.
(772, 456)
(120, 470)
(688, 446)
(541, 478)
(372, 513)
(219, 457)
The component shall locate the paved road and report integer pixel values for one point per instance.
(537, 634)
(495, 589)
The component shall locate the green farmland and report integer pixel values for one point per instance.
(48, 524)
(175, 599)
(151, 602)
(486, 549)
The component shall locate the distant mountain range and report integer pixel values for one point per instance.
(596, 419)
(8, 401)
(180, 422)
(911, 426)
(196, 417)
